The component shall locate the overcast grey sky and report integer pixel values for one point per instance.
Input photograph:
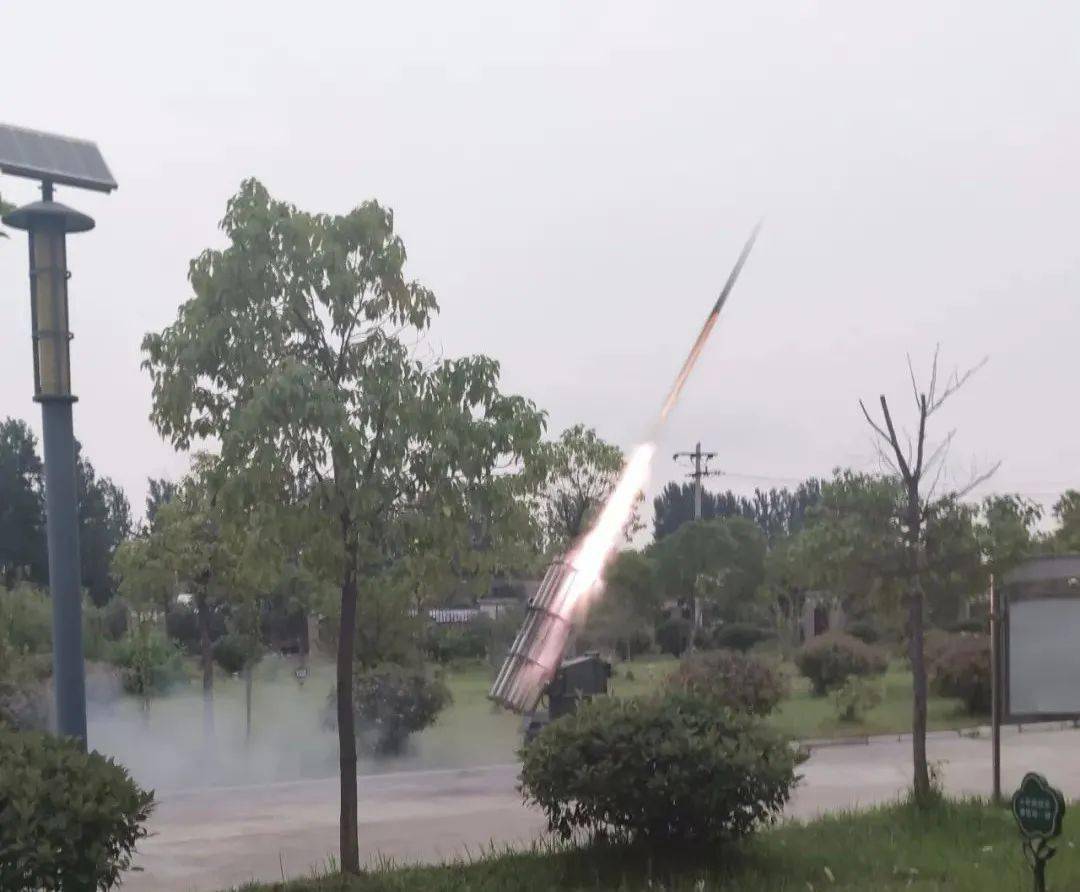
(574, 180)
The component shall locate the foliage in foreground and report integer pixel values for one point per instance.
(68, 819)
(676, 768)
(953, 846)
(730, 679)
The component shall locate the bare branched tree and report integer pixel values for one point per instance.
(914, 465)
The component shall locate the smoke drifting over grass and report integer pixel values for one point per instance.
(165, 749)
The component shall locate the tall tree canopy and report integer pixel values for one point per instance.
(104, 515)
(222, 559)
(297, 352)
(22, 505)
(104, 522)
(717, 564)
(778, 512)
(582, 472)
(159, 492)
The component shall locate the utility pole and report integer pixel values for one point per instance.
(701, 469)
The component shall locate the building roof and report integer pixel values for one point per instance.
(1042, 569)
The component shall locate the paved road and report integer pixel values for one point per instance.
(212, 839)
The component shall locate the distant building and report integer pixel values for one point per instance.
(822, 612)
(446, 616)
(507, 595)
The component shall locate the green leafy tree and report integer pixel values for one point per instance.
(160, 491)
(582, 473)
(22, 506)
(104, 516)
(297, 352)
(779, 512)
(714, 566)
(197, 548)
(1007, 530)
(623, 616)
(1066, 511)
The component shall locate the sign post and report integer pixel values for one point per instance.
(995, 688)
(1039, 810)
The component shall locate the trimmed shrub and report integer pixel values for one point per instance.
(26, 619)
(673, 636)
(234, 651)
(149, 663)
(831, 659)
(740, 636)
(865, 630)
(390, 703)
(24, 703)
(68, 819)
(935, 643)
(618, 633)
(661, 769)
(961, 669)
(115, 617)
(855, 697)
(971, 626)
(729, 679)
(458, 641)
(182, 625)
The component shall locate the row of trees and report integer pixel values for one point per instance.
(103, 512)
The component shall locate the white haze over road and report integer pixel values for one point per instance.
(207, 840)
(601, 163)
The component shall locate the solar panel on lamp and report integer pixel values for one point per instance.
(53, 159)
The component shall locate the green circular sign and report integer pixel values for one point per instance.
(1038, 807)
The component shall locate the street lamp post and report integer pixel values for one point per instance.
(53, 159)
(48, 224)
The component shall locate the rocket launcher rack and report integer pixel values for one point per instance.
(539, 646)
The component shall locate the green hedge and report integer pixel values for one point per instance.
(69, 820)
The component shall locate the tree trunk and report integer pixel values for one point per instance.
(918, 684)
(249, 673)
(916, 649)
(350, 843)
(203, 613)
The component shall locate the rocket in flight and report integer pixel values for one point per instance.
(572, 578)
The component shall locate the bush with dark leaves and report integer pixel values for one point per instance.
(729, 679)
(391, 702)
(68, 819)
(739, 636)
(236, 651)
(961, 668)
(865, 630)
(673, 636)
(449, 642)
(664, 769)
(831, 659)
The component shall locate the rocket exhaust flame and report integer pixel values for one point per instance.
(573, 578)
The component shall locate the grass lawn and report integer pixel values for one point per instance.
(803, 715)
(962, 847)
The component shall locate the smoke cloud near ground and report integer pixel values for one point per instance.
(165, 748)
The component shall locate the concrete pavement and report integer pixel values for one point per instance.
(212, 839)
